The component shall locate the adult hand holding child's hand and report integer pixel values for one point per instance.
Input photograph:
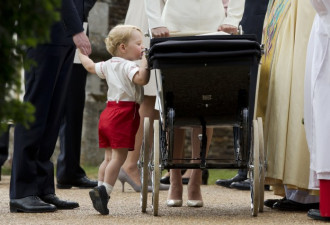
(82, 42)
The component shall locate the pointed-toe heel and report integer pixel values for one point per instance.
(174, 203)
(195, 203)
(163, 187)
(123, 177)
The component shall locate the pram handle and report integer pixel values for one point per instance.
(196, 33)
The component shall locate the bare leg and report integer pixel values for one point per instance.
(118, 158)
(146, 110)
(107, 158)
(187, 174)
(175, 191)
(194, 191)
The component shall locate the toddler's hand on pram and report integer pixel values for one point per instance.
(160, 32)
(230, 29)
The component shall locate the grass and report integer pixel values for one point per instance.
(215, 174)
(220, 174)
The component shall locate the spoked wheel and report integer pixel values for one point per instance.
(155, 170)
(171, 115)
(261, 164)
(254, 169)
(143, 165)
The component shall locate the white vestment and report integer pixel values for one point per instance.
(317, 95)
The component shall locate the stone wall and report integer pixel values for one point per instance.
(105, 15)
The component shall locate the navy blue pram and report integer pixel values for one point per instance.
(204, 81)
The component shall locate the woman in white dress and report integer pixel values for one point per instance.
(129, 172)
(317, 107)
(190, 17)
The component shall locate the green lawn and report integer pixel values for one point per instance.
(214, 173)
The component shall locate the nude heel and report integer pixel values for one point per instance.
(122, 185)
(123, 177)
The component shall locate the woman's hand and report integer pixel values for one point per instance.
(160, 32)
(230, 29)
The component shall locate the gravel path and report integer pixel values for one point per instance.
(221, 206)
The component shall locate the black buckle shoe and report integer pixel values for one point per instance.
(60, 204)
(316, 215)
(100, 199)
(30, 204)
(83, 182)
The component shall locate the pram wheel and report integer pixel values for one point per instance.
(254, 169)
(155, 170)
(261, 165)
(143, 165)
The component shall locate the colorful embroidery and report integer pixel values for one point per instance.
(276, 12)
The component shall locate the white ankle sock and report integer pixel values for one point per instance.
(108, 187)
(99, 183)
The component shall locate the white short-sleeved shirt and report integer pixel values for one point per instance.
(119, 74)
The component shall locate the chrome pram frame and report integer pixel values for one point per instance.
(226, 58)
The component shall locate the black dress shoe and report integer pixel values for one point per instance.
(227, 183)
(288, 205)
(270, 202)
(30, 204)
(185, 180)
(316, 215)
(165, 180)
(241, 185)
(100, 199)
(83, 182)
(60, 204)
(205, 177)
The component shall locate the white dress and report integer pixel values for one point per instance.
(136, 16)
(193, 16)
(317, 95)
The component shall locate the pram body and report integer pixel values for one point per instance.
(205, 81)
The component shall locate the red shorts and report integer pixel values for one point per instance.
(118, 125)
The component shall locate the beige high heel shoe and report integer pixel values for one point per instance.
(195, 203)
(123, 177)
(174, 203)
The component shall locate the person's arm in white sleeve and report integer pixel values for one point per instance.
(91, 67)
(323, 10)
(234, 16)
(154, 10)
(234, 12)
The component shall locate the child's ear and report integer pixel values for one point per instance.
(122, 48)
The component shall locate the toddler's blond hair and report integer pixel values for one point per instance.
(120, 34)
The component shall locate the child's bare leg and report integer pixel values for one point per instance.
(118, 158)
(130, 165)
(99, 195)
(101, 172)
